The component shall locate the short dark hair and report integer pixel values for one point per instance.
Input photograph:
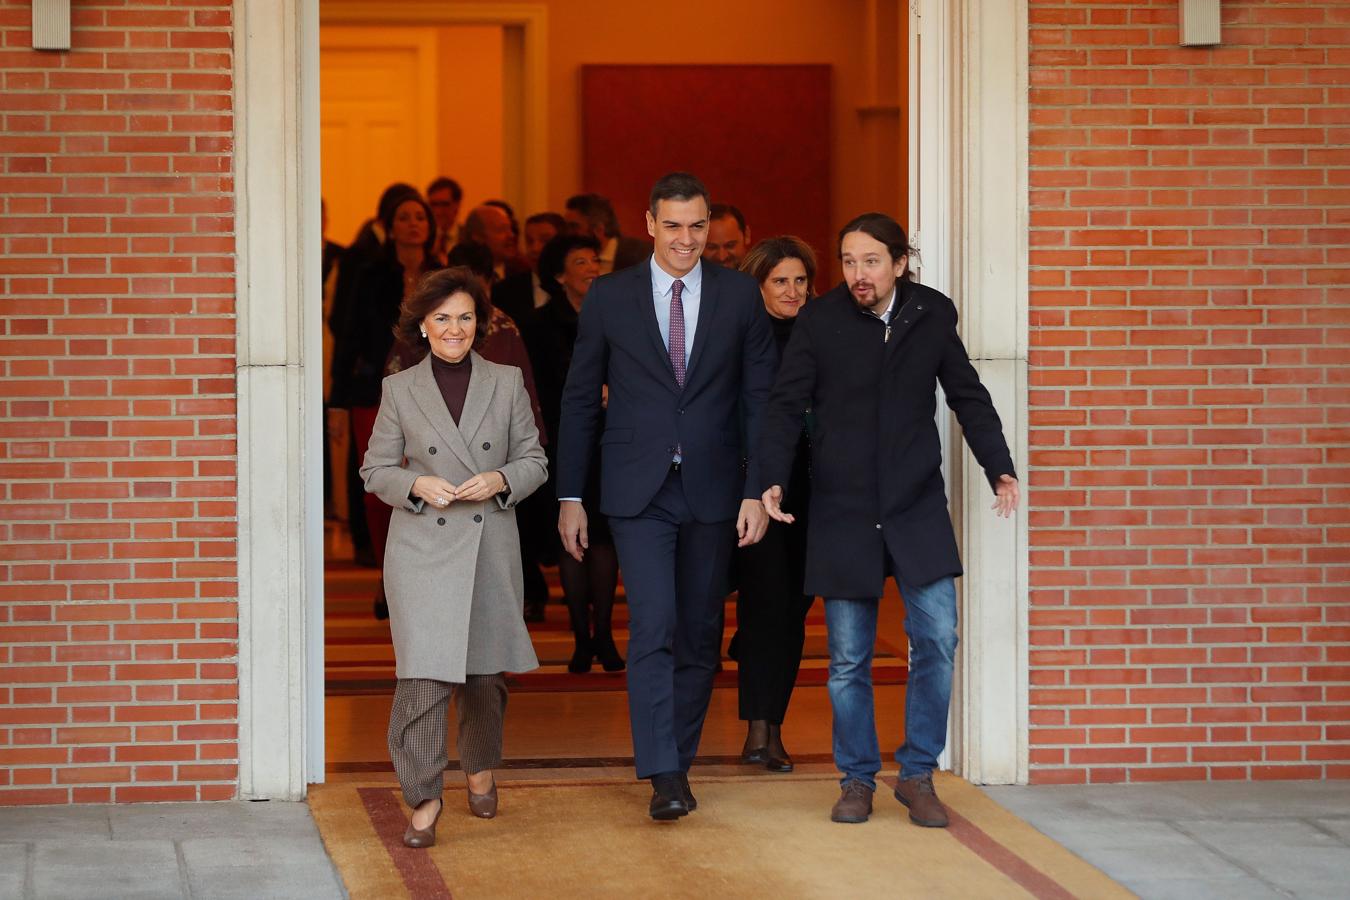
(549, 218)
(389, 210)
(597, 210)
(553, 258)
(722, 210)
(768, 253)
(677, 186)
(472, 255)
(392, 194)
(433, 290)
(442, 183)
(882, 228)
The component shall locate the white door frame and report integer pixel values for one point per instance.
(970, 118)
(968, 209)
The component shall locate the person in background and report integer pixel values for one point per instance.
(382, 287)
(335, 443)
(490, 226)
(728, 236)
(444, 196)
(519, 295)
(867, 359)
(771, 606)
(364, 250)
(593, 215)
(569, 264)
(454, 448)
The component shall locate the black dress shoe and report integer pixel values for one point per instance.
(689, 799)
(608, 654)
(581, 659)
(757, 756)
(668, 801)
(778, 763)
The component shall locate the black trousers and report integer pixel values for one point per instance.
(675, 572)
(771, 621)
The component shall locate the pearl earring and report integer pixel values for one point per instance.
(424, 334)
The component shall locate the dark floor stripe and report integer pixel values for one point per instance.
(1031, 879)
(563, 762)
(420, 875)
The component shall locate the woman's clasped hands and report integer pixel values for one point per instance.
(441, 493)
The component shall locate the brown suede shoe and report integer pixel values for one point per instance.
(919, 795)
(854, 803)
(484, 806)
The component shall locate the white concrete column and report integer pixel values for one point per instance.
(970, 117)
(279, 395)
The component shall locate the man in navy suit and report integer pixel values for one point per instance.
(688, 355)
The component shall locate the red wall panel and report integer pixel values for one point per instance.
(758, 136)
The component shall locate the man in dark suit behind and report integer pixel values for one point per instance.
(688, 355)
(593, 215)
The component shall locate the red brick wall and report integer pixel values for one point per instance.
(118, 638)
(1190, 393)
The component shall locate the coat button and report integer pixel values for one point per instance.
(487, 445)
(431, 450)
(878, 526)
(440, 521)
(480, 518)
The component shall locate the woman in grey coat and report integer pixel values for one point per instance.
(454, 449)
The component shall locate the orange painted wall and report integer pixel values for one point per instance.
(752, 31)
(867, 150)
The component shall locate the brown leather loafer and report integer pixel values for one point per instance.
(921, 797)
(421, 838)
(854, 804)
(484, 806)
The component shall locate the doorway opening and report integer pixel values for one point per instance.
(418, 91)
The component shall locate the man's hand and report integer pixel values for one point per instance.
(773, 505)
(572, 528)
(751, 523)
(1008, 494)
(482, 486)
(436, 491)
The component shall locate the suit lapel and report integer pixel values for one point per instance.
(482, 385)
(427, 394)
(645, 291)
(703, 332)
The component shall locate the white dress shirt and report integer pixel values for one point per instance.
(690, 298)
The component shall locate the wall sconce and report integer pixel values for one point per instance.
(1199, 23)
(51, 24)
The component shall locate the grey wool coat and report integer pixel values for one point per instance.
(452, 575)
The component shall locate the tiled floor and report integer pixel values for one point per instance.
(216, 850)
(1200, 840)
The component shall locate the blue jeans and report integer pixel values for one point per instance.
(930, 622)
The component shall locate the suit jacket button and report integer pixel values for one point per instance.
(440, 521)
(878, 525)
(487, 445)
(477, 518)
(431, 450)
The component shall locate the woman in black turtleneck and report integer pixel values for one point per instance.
(770, 607)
